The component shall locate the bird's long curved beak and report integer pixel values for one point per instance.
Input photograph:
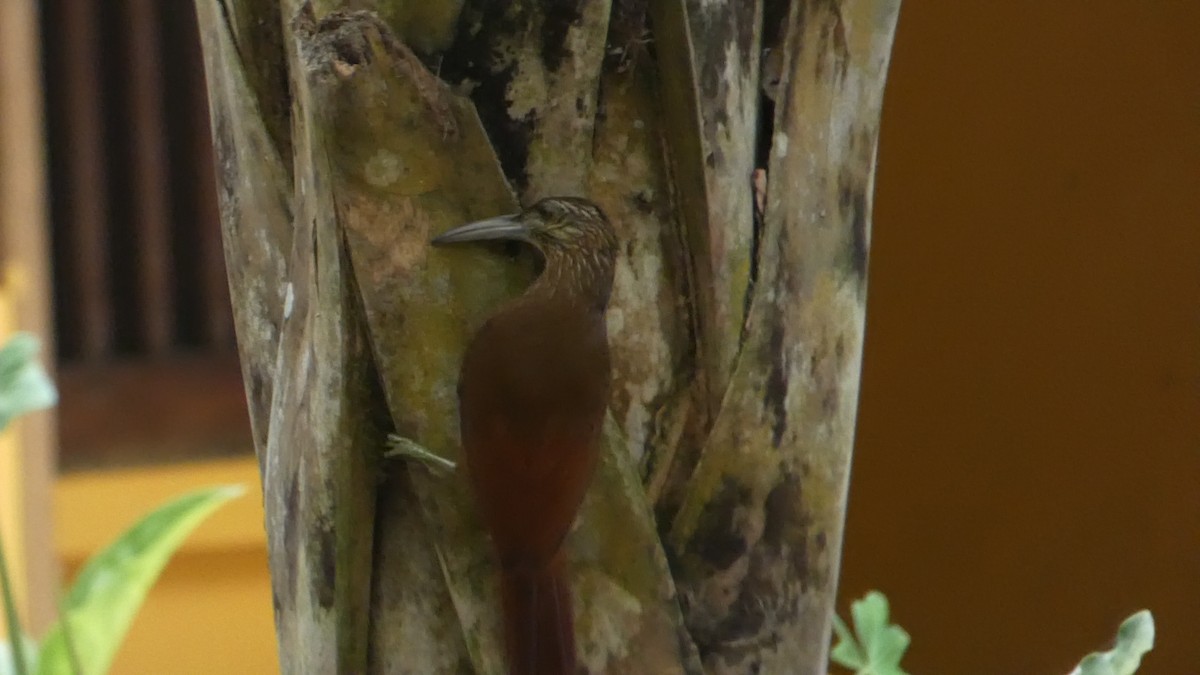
(500, 227)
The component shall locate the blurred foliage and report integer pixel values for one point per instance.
(876, 646)
(100, 606)
(1135, 637)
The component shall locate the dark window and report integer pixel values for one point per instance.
(147, 359)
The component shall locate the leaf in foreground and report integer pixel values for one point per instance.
(1135, 637)
(24, 387)
(876, 646)
(8, 663)
(24, 384)
(110, 589)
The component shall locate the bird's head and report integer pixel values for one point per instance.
(553, 225)
(572, 234)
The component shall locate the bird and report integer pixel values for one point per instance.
(533, 392)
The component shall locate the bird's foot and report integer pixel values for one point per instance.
(406, 448)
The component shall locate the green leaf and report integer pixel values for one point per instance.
(15, 658)
(7, 658)
(877, 646)
(110, 589)
(24, 385)
(847, 652)
(1135, 637)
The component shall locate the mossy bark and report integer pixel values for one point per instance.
(348, 133)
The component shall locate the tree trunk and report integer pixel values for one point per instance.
(733, 147)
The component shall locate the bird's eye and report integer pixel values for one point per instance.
(547, 211)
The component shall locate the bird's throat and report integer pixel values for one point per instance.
(574, 276)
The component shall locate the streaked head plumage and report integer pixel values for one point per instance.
(573, 235)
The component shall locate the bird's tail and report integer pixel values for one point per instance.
(539, 626)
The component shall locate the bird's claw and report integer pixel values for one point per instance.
(406, 448)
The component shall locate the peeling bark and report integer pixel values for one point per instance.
(736, 329)
(707, 60)
(758, 536)
(256, 212)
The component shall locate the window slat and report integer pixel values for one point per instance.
(85, 229)
(218, 324)
(151, 178)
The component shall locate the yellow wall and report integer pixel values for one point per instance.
(1028, 460)
(211, 610)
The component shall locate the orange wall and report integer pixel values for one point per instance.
(1028, 459)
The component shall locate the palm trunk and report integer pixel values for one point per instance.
(741, 186)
